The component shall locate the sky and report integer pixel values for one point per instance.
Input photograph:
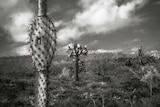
(102, 25)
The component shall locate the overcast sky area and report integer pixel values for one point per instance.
(102, 25)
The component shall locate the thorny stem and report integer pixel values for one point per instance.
(76, 68)
(42, 7)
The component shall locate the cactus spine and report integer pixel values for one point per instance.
(42, 47)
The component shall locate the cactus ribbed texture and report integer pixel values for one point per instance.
(42, 8)
(42, 42)
(42, 46)
(41, 93)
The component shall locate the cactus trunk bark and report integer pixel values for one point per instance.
(76, 68)
(41, 94)
(42, 34)
(42, 7)
(42, 75)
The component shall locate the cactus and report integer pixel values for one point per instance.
(42, 47)
(74, 52)
(140, 51)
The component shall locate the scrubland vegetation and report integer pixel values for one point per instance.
(104, 82)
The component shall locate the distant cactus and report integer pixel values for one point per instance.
(42, 45)
(140, 51)
(76, 50)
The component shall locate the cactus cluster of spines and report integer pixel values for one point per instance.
(42, 42)
(42, 35)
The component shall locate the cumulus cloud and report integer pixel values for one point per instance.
(15, 17)
(69, 32)
(20, 18)
(22, 50)
(62, 50)
(58, 23)
(96, 16)
(134, 50)
(19, 26)
(105, 51)
(100, 16)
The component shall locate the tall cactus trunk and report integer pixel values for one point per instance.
(42, 8)
(42, 75)
(42, 45)
(41, 89)
(76, 68)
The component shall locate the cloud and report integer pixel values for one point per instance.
(142, 31)
(96, 16)
(105, 51)
(67, 33)
(92, 43)
(132, 41)
(134, 50)
(136, 40)
(15, 17)
(19, 26)
(22, 50)
(158, 3)
(58, 23)
(63, 50)
(8, 3)
(100, 16)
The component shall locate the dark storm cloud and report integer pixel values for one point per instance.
(5, 42)
(13, 12)
(7, 45)
(121, 2)
(63, 10)
(4, 37)
(60, 9)
(101, 16)
(75, 19)
(9, 8)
